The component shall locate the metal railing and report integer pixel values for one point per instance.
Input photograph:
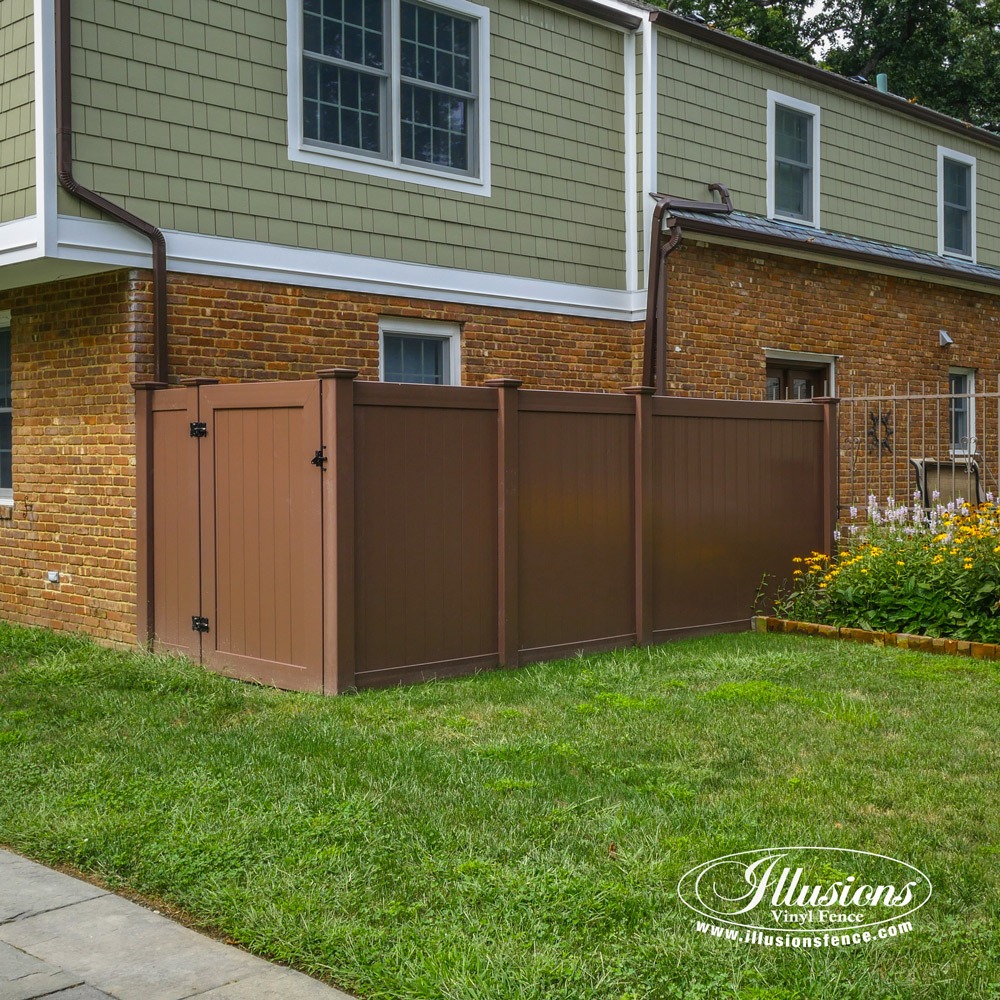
(898, 441)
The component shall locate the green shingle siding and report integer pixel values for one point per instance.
(185, 111)
(17, 111)
(878, 169)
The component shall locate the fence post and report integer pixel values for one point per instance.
(643, 499)
(508, 625)
(337, 416)
(145, 624)
(831, 469)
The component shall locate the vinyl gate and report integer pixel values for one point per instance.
(327, 534)
(237, 529)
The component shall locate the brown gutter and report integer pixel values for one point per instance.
(789, 64)
(64, 156)
(709, 228)
(654, 354)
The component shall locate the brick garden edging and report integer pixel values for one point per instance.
(901, 640)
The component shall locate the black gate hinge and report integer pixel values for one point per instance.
(199, 429)
(199, 624)
(319, 459)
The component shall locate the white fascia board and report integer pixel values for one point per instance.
(106, 242)
(20, 240)
(45, 122)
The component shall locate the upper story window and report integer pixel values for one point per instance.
(793, 145)
(6, 421)
(392, 88)
(956, 204)
(417, 350)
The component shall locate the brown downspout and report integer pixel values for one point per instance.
(654, 360)
(64, 156)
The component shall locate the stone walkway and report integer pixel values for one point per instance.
(64, 939)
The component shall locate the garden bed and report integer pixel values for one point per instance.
(901, 640)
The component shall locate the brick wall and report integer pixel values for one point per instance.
(230, 329)
(71, 345)
(727, 305)
(77, 346)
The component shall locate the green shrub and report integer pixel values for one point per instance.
(906, 569)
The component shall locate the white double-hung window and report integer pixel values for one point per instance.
(393, 88)
(956, 204)
(793, 167)
(962, 411)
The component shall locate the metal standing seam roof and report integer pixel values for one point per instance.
(820, 241)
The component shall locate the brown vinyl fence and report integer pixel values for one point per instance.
(329, 534)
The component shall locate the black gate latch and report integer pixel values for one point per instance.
(319, 459)
(199, 624)
(199, 429)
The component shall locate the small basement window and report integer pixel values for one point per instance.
(798, 375)
(419, 351)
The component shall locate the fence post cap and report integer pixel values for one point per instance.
(337, 373)
(503, 383)
(640, 390)
(144, 385)
(196, 380)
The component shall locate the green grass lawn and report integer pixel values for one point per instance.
(453, 839)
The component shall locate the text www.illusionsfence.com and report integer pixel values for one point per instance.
(742, 936)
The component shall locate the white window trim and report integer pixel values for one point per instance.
(773, 100)
(7, 496)
(944, 153)
(301, 151)
(970, 373)
(403, 325)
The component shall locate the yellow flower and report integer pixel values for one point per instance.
(899, 562)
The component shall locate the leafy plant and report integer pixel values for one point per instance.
(933, 573)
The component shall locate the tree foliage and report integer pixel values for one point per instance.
(944, 54)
